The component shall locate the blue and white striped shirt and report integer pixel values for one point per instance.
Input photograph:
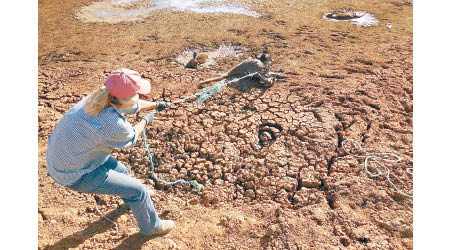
(81, 143)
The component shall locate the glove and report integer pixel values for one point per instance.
(149, 117)
(160, 105)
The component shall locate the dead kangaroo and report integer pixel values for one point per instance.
(192, 64)
(196, 60)
(344, 15)
(246, 67)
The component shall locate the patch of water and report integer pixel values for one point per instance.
(114, 11)
(124, 1)
(203, 6)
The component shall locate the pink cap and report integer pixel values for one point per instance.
(124, 83)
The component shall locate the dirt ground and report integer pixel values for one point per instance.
(296, 189)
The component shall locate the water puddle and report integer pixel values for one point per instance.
(114, 11)
(360, 18)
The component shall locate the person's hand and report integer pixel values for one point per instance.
(149, 117)
(160, 105)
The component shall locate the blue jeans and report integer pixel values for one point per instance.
(112, 178)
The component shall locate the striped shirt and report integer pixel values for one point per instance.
(81, 143)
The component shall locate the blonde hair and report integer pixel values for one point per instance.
(125, 101)
(97, 100)
(100, 99)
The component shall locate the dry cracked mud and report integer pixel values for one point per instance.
(271, 160)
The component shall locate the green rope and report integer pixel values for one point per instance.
(208, 92)
(195, 186)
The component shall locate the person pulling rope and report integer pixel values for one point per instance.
(79, 149)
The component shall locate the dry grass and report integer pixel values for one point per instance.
(298, 39)
(289, 29)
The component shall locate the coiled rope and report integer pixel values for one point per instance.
(379, 158)
(206, 93)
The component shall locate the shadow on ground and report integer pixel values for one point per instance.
(97, 227)
(134, 241)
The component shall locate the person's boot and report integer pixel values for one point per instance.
(164, 228)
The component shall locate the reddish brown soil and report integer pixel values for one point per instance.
(298, 190)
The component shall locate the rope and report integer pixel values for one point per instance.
(378, 158)
(209, 91)
(195, 186)
(206, 93)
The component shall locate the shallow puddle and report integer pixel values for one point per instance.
(114, 11)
